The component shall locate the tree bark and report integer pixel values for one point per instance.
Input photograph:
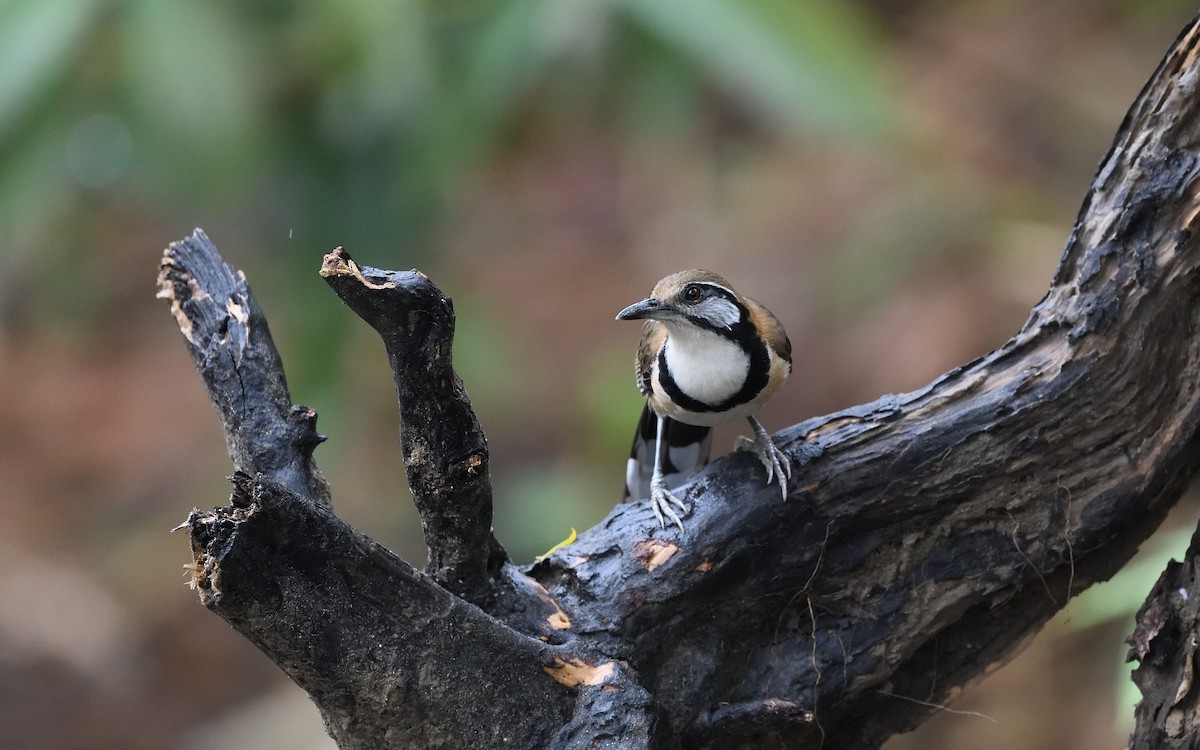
(926, 535)
(1164, 644)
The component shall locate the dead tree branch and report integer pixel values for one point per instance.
(230, 344)
(927, 536)
(445, 451)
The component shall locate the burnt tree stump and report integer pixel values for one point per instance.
(926, 535)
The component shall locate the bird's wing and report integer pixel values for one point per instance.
(688, 449)
(770, 329)
(653, 334)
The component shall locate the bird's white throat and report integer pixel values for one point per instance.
(705, 365)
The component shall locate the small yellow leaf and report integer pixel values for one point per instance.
(558, 546)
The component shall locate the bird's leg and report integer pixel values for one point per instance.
(774, 460)
(661, 498)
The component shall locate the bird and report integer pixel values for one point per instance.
(708, 355)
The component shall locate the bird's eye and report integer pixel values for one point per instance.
(692, 293)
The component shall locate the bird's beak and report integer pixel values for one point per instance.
(647, 308)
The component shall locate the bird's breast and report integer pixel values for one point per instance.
(706, 366)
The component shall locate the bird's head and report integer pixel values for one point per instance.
(699, 297)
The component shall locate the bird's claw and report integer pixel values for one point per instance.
(661, 501)
(774, 460)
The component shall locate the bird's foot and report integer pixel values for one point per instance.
(661, 501)
(774, 460)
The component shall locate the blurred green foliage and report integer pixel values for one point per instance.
(353, 122)
(348, 121)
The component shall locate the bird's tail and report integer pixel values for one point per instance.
(687, 452)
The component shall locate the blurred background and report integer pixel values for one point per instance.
(895, 179)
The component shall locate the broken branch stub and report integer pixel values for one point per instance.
(231, 346)
(445, 451)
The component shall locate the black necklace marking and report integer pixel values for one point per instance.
(757, 373)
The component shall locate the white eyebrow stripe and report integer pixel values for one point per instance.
(718, 286)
